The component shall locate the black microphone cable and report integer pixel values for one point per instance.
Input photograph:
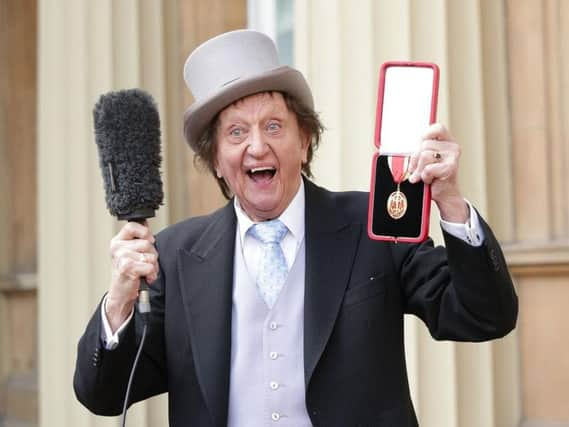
(144, 316)
(144, 311)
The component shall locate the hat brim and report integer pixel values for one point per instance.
(282, 79)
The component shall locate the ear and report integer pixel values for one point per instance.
(216, 170)
(305, 141)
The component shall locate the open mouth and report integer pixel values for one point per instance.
(262, 174)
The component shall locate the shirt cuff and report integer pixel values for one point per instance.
(471, 232)
(109, 339)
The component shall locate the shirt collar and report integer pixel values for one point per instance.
(292, 217)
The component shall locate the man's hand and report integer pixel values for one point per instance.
(133, 256)
(436, 163)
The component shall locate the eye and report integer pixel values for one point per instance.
(236, 132)
(273, 127)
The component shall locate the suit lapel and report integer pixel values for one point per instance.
(331, 243)
(206, 278)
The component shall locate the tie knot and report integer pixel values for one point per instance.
(269, 231)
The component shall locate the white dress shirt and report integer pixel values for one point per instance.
(293, 218)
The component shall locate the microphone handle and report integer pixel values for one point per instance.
(144, 298)
(143, 290)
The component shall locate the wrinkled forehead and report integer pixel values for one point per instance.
(258, 102)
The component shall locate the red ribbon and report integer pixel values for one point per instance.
(398, 166)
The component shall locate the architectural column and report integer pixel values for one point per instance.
(200, 20)
(18, 216)
(340, 47)
(86, 48)
(539, 254)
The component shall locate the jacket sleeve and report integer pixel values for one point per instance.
(101, 376)
(462, 293)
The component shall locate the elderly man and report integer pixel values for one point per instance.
(278, 309)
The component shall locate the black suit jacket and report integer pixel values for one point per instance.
(356, 293)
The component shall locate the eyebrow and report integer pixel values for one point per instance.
(274, 113)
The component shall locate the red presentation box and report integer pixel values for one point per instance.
(406, 104)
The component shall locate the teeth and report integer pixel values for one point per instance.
(262, 169)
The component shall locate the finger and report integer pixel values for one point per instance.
(435, 171)
(132, 269)
(150, 258)
(435, 145)
(149, 272)
(137, 245)
(147, 257)
(121, 254)
(425, 157)
(443, 151)
(448, 150)
(413, 161)
(134, 230)
(437, 131)
(151, 278)
(141, 257)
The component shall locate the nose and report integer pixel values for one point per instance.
(257, 144)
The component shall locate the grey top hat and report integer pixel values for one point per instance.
(229, 67)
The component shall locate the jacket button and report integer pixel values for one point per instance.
(494, 259)
(95, 358)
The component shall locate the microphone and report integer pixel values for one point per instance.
(127, 134)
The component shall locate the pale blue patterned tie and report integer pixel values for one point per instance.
(273, 270)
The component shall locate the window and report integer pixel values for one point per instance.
(276, 19)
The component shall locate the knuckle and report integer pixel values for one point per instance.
(144, 231)
(122, 270)
(125, 232)
(439, 127)
(114, 244)
(452, 159)
(424, 156)
(124, 266)
(130, 227)
(147, 245)
(427, 171)
(118, 255)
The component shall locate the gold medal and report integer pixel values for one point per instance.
(397, 201)
(396, 204)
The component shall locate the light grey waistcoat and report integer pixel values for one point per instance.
(267, 351)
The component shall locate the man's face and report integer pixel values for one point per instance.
(260, 152)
